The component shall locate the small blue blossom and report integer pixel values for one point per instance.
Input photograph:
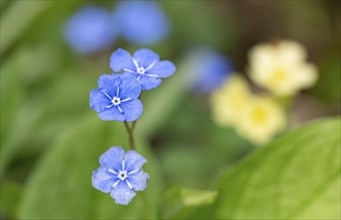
(117, 98)
(120, 174)
(90, 30)
(141, 22)
(211, 69)
(144, 65)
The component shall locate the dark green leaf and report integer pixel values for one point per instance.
(10, 196)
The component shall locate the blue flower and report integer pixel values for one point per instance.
(90, 30)
(141, 22)
(117, 98)
(120, 174)
(145, 66)
(211, 69)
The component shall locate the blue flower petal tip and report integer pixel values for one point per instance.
(90, 30)
(117, 98)
(120, 174)
(144, 65)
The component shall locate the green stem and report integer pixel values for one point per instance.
(130, 135)
(130, 130)
(133, 125)
(132, 146)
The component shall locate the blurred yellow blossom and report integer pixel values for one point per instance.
(260, 120)
(229, 100)
(257, 118)
(281, 67)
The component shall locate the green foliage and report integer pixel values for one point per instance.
(28, 11)
(61, 186)
(330, 79)
(203, 148)
(160, 102)
(10, 197)
(295, 177)
(181, 202)
(12, 97)
(202, 23)
(31, 117)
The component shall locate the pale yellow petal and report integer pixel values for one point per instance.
(227, 101)
(307, 74)
(261, 120)
(281, 68)
(291, 52)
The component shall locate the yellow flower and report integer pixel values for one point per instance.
(281, 67)
(229, 100)
(257, 118)
(260, 120)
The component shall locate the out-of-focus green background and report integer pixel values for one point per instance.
(51, 139)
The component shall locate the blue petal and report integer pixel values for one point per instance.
(211, 69)
(90, 30)
(141, 22)
(129, 87)
(163, 69)
(103, 180)
(98, 101)
(132, 109)
(109, 83)
(121, 59)
(148, 83)
(146, 57)
(133, 160)
(111, 114)
(112, 158)
(139, 180)
(122, 193)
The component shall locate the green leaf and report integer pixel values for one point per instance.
(12, 96)
(11, 92)
(20, 129)
(295, 177)
(20, 110)
(61, 185)
(12, 26)
(10, 196)
(30, 118)
(179, 202)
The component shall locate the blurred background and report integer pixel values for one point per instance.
(52, 53)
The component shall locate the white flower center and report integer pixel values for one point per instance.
(141, 70)
(116, 101)
(122, 175)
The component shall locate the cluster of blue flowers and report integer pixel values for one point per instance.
(93, 28)
(117, 98)
(117, 95)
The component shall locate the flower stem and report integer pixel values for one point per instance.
(133, 125)
(130, 131)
